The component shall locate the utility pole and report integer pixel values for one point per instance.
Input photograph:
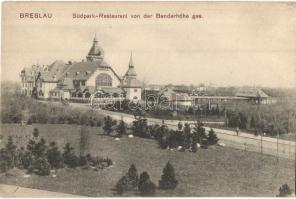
(289, 130)
(277, 138)
(261, 145)
(277, 147)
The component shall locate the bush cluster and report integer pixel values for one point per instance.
(40, 158)
(285, 191)
(108, 124)
(186, 136)
(132, 181)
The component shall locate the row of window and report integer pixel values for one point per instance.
(79, 83)
(31, 84)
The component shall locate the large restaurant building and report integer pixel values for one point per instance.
(81, 80)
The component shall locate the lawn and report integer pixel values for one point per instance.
(217, 171)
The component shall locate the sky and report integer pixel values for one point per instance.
(233, 44)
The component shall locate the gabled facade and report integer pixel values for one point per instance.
(80, 80)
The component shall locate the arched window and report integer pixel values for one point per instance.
(103, 79)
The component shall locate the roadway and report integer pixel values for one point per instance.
(245, 141)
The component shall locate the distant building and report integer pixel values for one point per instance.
(213, 101)
(254, 95)
(174, 98)
(81, 80)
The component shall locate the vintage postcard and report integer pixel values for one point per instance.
(148, 99)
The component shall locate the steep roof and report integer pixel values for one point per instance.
(96, 52)
(130, 77)
(54, 71)
(251, 92)
(131, 71)
(83, 70)
(66, 84)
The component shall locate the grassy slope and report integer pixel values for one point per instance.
(212, 172)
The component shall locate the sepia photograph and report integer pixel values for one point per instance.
(148, 99)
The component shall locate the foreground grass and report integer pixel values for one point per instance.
(209, 172)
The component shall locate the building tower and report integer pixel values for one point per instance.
(131, 85)
(96, 53)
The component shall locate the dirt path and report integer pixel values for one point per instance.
(16, 191)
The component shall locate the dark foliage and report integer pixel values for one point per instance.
(41, 166)
(212, 137)
(186, 135)
(108, 123)
(121, 128)
(132, 177)
(54, 156)
(140, 128)
(284, 191)
(146, 187)
(121, 185)
(168, 180)
(70, 159)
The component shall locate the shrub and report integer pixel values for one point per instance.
(26, 160)
(70, 159)
(36, 133)
(180, 126)
(82, 161)
(8, 156)
(132, 177)
(173, 139)
(5, 160)
(108, 123)
(140, 128)
(212, 137)
(54, 156)
(163, 136)
(284, 191)
(42, 167)
(186, 134)
(3, 166)
(109, 161)
(146, 187)
(194, 146)
(201, 132)
(168, 180)
(37, 147)
(10, 149)
(121, 128)
(121, 185)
